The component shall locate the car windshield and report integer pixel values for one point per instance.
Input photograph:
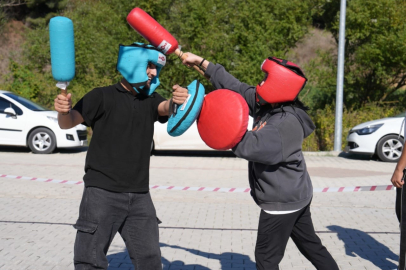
(26, 103)
(403, 114)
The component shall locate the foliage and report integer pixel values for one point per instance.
(375, 51)
(239, 40)
(41, 11)
(36, 13)
(30, 84)
(3, 21)
(237, 34)
(323, 137)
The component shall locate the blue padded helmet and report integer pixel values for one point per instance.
(133, 61)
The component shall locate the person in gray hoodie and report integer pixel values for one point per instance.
(278, 177)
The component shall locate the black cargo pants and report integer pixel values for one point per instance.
(102, 213)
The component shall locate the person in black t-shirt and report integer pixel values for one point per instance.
(116, 196)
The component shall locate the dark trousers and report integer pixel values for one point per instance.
(273, 235)
(398, 203)
(102, 214)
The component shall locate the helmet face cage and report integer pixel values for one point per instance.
(133, 61)
(264, 79)
(282, 83)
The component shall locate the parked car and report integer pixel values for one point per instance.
(25, 123)
(190, 140)
(382, 137)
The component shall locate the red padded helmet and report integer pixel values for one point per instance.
(283, 81)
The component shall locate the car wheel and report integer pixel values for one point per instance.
(42, 141)
(389, 148)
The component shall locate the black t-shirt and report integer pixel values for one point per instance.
(123, 127)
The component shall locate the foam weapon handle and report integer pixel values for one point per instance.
(155, 33)
(62, 50)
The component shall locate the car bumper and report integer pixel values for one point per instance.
(72, 138)
(361, 144)
(72, 145)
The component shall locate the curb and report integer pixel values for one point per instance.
(324, 153)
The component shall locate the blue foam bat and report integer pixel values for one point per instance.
(62, 48)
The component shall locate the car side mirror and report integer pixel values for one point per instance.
(11, 112)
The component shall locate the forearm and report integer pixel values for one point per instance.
(221, 79)
(67, 121)
(398, 172)
(402, 161)
(201, 62)
(163, 108)
(261, 147)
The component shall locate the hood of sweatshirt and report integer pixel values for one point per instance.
(304, 119)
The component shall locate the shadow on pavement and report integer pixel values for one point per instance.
(16, 149)
(71, 150)
(227, 260)
(22, 149)
(366, 247)
(359, 156)
(215, 153)
(193, 153)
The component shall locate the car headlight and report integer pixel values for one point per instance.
(367, 130)
(53, 119)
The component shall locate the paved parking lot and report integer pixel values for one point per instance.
(201, 229)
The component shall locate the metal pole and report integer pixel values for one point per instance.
(340, 79)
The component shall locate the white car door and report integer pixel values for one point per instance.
(11, 127)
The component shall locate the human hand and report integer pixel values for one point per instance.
(179, 94)
(190, 59)
(62, 103)
(397, 178)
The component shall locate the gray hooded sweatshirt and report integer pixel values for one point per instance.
(277, 171)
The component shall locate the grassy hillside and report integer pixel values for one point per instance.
(11, 40)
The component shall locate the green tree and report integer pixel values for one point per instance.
(238, 34)
(375, 52)
(41, 11)
(2, 23)
(34, 12)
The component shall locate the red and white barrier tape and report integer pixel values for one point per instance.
(213, 189)
(43, 179)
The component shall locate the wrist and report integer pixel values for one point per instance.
(202, 64)
(65, 113)
(201, 61)
(399, 170)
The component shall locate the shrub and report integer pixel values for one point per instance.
(323, 137)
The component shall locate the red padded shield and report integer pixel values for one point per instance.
(223, 119)
(152, 31)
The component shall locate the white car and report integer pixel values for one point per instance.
(25, 123)
(190, 140)
(382, 137)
